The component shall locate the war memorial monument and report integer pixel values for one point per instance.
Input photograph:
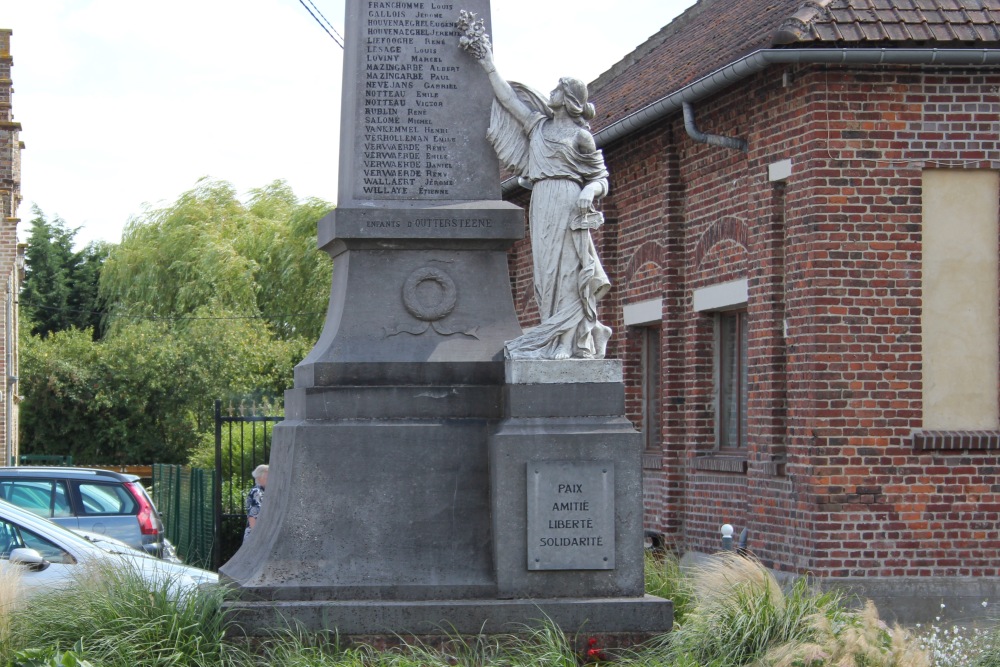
(438, 469)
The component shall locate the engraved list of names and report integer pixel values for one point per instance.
(421, 110)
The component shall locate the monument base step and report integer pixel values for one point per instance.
(646, 616)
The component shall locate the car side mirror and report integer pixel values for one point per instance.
(29, 558)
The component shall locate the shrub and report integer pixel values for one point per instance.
(48, 657)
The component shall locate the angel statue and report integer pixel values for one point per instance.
(547, 143)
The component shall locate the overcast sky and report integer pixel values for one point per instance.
(125, 104)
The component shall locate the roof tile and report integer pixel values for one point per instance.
(713, 33)
(941, 21)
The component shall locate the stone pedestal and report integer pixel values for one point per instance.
(404, 508)
(565, 447)
(628, 618)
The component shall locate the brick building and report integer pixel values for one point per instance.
(11, 256)
(802, 234)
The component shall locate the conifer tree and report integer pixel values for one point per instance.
(60, 288)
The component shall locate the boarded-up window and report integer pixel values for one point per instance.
(959, 309)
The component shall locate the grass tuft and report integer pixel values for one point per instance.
(664, 578)
(742, 616)
(11, 597)
(125, 621)
(852, 638)
(982, 651)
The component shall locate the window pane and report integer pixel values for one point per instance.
(106, 499)
(744, 373)
(9, 539)
(60, 501)
(732, 380)
(33, 495)
(651, 387)
(49, 550)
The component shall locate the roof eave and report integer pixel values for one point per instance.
(748, 65)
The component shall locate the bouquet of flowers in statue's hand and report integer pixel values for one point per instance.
(474, 38)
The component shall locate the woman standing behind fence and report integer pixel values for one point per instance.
(255, 497)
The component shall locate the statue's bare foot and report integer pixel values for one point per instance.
(564, 348)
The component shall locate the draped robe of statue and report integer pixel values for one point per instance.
(568, 276)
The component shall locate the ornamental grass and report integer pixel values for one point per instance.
(731, 612)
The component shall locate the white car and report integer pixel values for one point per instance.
(50, 556)
(115, 545)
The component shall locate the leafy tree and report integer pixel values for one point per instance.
(210, 250)
(57, 380)
(198, 298)
(60, 288)
(144, 393)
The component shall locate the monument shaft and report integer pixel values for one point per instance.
(414, 123)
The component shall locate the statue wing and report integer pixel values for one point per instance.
(508, 136)
(535, 100)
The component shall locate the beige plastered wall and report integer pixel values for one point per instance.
(959, 314)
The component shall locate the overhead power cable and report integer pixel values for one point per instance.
(324, 23)
(169, 318)
(186, 318)
(327, 21)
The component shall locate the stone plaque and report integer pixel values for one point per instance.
(571, 515)
(416, 107)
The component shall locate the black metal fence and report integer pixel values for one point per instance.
(242, 442)
(203, 510)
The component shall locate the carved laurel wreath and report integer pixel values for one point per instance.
(444, 305)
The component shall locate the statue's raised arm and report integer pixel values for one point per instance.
(477, 42)
(547, 143)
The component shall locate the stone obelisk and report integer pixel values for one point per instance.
(380, 514)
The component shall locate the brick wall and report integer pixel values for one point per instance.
(880, 506)
(10, 199)
(831, 481)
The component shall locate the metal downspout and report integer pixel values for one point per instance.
(8, 385)
(711, 139)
